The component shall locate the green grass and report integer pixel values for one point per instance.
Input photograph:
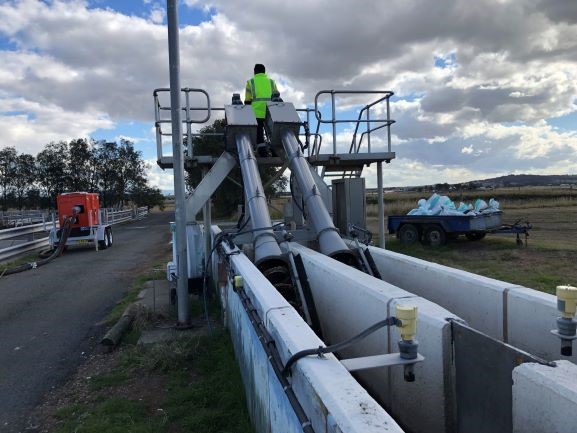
(115, 415)
(106, 380)
(538, 267)
(195, 387)
(215, 402)
(132, 294)
(17, 262)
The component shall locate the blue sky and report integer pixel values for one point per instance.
(481, 89)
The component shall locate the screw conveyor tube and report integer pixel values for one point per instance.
(267, 253)
(330, 242)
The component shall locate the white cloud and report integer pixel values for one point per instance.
(44, 123)
(162, 179)
(157, 14)
(76, 69)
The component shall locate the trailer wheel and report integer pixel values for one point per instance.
(475, 236)
(408, 234)
(434, 236)
(102, 245)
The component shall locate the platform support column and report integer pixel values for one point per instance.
(381, 216)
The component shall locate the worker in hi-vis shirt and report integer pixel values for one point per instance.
(259, 89)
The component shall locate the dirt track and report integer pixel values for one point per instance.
(51, 317)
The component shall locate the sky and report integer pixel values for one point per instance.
(482, 88)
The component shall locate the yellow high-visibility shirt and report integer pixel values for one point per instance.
(259, 89)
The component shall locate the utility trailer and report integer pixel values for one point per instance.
(436, 229)
(90, 223)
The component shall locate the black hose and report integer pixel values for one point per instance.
(64, 233)
(319, 351)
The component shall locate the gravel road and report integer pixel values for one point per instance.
(51, 317)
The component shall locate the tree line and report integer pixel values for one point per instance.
(114, 170)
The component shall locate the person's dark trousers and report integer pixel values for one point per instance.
(261, 148)
(260, 131)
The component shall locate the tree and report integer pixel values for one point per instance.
(131, 170)
(228, 195)
(79, 166)
(25, 176)
(8, 157)
(51, 166)
(106, 162)
(147, 196)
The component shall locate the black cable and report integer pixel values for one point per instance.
(293, 197)
(217, 241)
(270, 349)
(258, 229)
(245, 224)
(319, 351)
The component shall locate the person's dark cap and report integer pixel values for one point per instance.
(259, 68)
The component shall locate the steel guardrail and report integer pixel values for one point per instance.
(19, 231)
(114, 217)
(16, 250)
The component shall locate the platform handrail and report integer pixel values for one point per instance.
(387, 122)
(186, 119)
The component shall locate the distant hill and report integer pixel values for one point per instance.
(511, 180)
(528, 180)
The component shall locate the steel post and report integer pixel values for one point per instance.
(178, 163)
(381, 205)
(334, 124)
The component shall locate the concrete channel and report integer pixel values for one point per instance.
(461, 317)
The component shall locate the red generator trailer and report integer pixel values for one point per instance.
(88, 225)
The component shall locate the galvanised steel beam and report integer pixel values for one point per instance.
(208, 185)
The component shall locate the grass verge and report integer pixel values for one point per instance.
(133, 292)
(190, 384)
(538, 267)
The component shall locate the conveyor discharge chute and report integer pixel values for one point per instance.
(241, 127)
(283, 124)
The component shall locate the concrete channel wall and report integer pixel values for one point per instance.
(331, 397)
(545, 398)
(510, 313)
(349, 301)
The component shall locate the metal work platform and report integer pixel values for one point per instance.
(329, 156)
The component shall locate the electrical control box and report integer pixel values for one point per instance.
(281, 116)
(86, 203)
(239, 119)
(349, 204)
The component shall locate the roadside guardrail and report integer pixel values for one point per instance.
(12, 251)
